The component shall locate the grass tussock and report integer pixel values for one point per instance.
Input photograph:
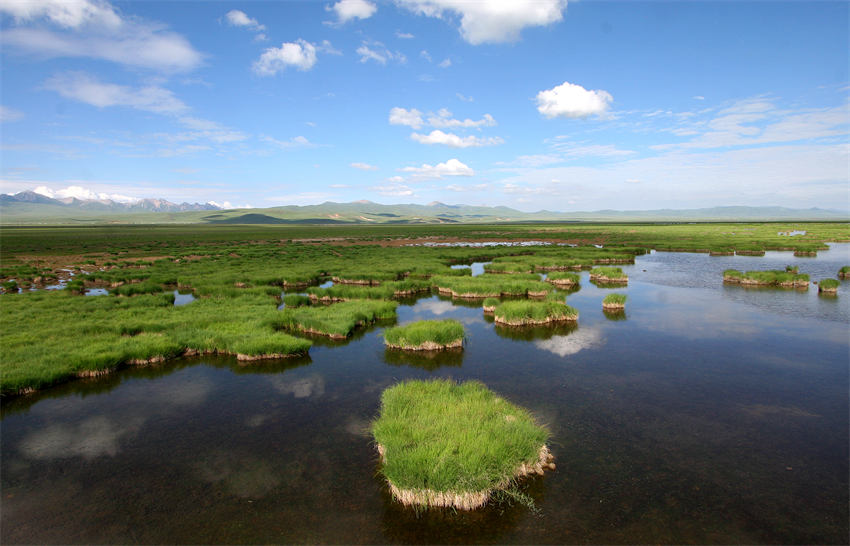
(335, 321)
(522, 313)
(452, 445)
(608, 275)
(844, 272)
(773, 277)
(426, 335)
(563, 279)
(828, 286)
(614, 302)
(490, 286)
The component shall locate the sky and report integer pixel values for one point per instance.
(531, 104)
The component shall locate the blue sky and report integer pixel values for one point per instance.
(531, 104)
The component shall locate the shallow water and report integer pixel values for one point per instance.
(703, 414)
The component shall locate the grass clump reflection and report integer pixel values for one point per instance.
(444, 444)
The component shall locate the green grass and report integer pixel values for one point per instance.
(828, 285)
(614, 301)
(486, 286)
(426, 334)
(563, 278)
(519, 313)
(461, 440)
(844, 272)
(337, 320)
(773, 277)
(608, 274)
(296, 300)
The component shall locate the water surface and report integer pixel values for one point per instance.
(703, 414)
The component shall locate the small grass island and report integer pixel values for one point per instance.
(844, 272)
(608, 275)
(444, 444)
(614, 302)
(563, 279)
(828, 286)
(524, 312)
(426, 335)
(773, 277)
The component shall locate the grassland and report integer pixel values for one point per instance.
(238, 273)
(426, 335)
(452, 445)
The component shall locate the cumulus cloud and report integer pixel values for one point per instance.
(570, 100)
(376, 51)
(455, 141)
(364, 166)
(493, 21)
(410, 118)
(347, 10)
(443, 120)
(85, 88)
(300, 54)
(452, 167)
(94, 29)
(238, 18)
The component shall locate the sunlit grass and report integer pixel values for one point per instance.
(426, 335)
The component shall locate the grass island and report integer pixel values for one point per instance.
(828, 286)
(773, 277)
(523, 313)
(426, 335)
(614, 302)
(608, 275)
(844, 272)
(444, 444)
(563, 279)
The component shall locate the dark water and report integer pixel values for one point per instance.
(703, 414)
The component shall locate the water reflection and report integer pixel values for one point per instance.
(239, 474)
(94, 437)
(427, 360)
(532, 333)
(182, 298)
(579, 339)
(311, 387)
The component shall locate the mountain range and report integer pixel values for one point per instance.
(28, 207)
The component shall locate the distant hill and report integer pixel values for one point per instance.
(32, 208)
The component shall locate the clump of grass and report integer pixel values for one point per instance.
(491, 286)
(614, 302)
(295, 300)
(521, 313)
(792, 269)
(773, 277)
(490, 304)
(828, 286)
(426, 335)
(844, 272)
(608, 275)
(335, 321)
(452, 445)
(563, 278)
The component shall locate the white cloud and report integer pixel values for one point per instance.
(353, 9)
(452, 167)
(572, 101)
(81, 193)
(455, 141)
(445, 63)
(411, 118)
(210, 130)
(10, 114)
(459, 188)
(376, 51)
(443, 120)
(364, 166)
(492, 21)
(238, 18)
(222, 205)
(395, 179)
(464, 98)
(96, 30)
(425, 55)
(84, 88)
(295, 142)
(300, 54)
(404, 35)
(393, 189)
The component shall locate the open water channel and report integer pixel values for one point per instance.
(705, 414)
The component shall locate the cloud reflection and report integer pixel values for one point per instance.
(92, 438)
(312, 386)
(583, 338)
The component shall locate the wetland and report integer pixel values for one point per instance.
(707, 412)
